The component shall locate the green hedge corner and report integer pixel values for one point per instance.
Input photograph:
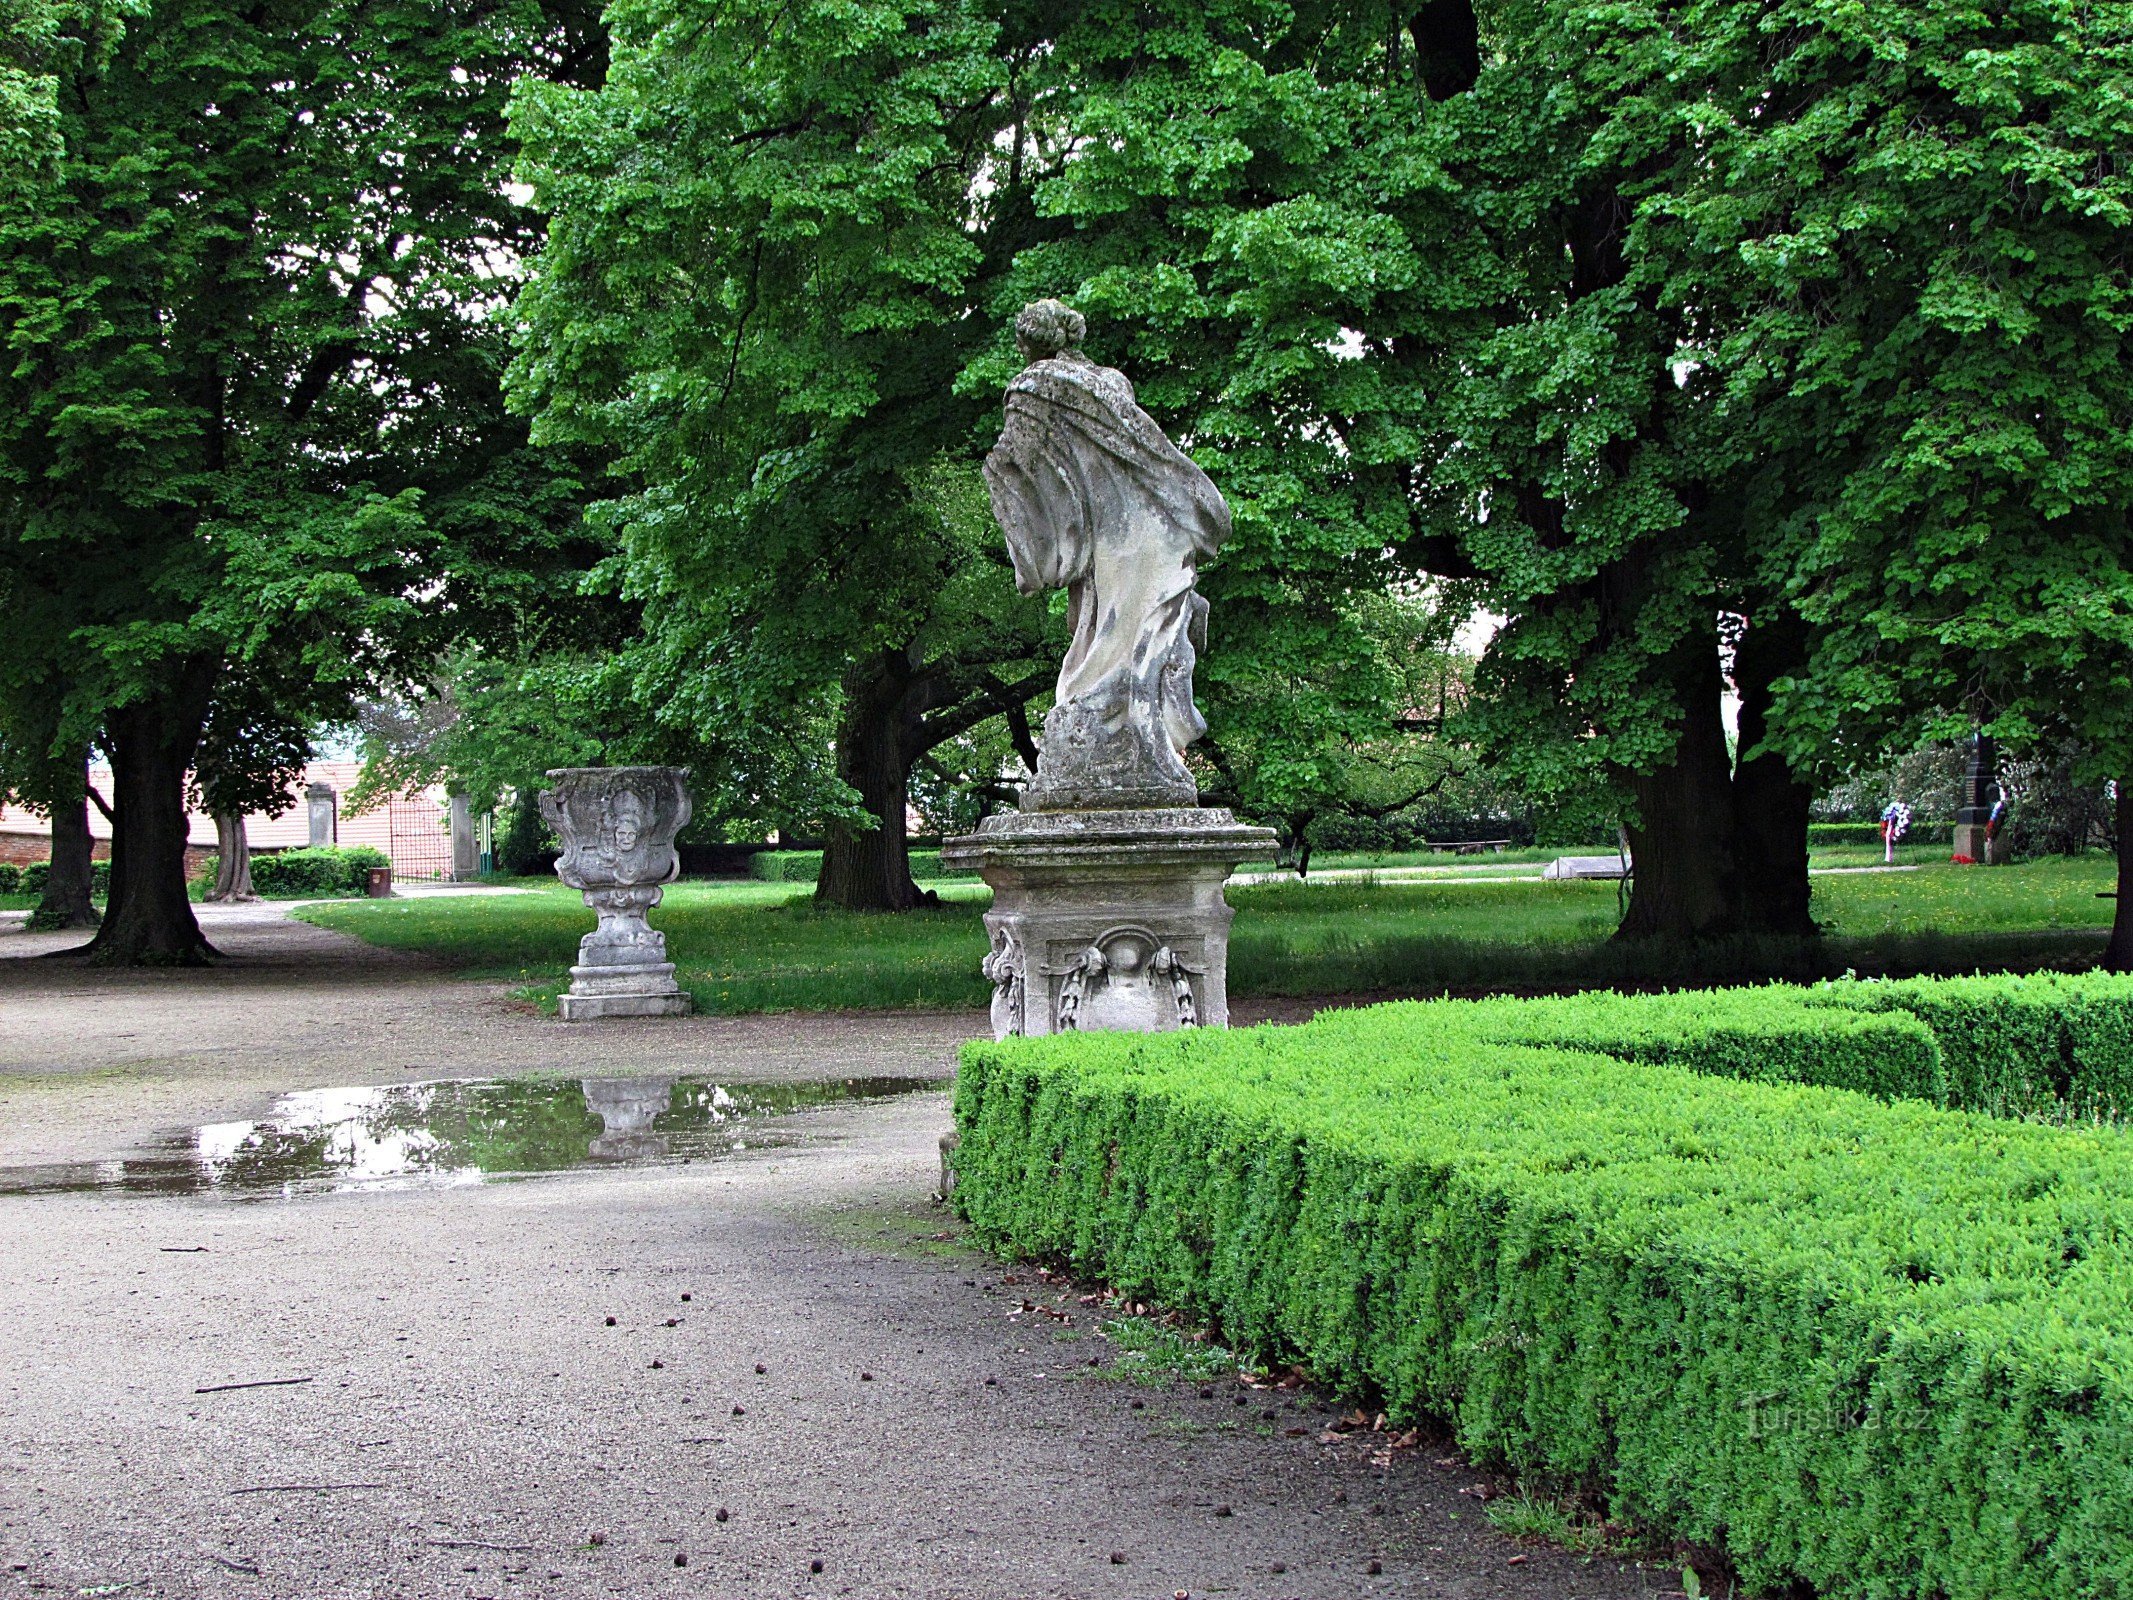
(1724, 1260)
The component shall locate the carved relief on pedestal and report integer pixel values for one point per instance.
(1169, 965)
(1126, 978)
(1003, 969)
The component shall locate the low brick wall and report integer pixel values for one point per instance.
(21, 849)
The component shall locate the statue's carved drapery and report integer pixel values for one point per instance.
(1107, 908)
(1094, 499)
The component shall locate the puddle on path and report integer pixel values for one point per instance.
(462, 1131)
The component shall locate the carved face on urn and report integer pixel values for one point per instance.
(617, 824)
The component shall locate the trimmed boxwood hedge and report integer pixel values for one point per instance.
(2049, 1044)
(1880, 1347)
(1776, 1034)
(302, 874)
(2041, 1042)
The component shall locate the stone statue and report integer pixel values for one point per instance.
(1107, 910)
(1094, 499)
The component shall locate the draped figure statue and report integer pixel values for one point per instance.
(1094, 499)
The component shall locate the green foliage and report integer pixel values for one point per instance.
(252, 752)
(1564, 1524)
(1155, 1356)
(492, 724)
(528, 846)
(42, 42)
(31, 879)
(787, 866)
(10, 878)
(789, 243)
(1876, 1347)
(313, 246)
(1920, 244)
(253, 456)
(2018, 1045)
(2056, 805)
(2049, 1044)
(1773, 1035)
(1928, 778)
(317, 870)
(756, 287)
(1581, 484)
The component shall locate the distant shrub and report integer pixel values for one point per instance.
(786, 866)
(34, 878)
(527, 849)
(321, 870)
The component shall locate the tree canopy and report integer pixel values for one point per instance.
(787, 247)
(1770, 351)
(250, 422)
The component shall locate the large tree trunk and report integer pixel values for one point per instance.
(68, 900)
(1770, 805)
(2118, 954)
(869, 868)
(1684, 881)
(148, 920)
(233, 860)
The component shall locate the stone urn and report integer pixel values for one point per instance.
(617, 827)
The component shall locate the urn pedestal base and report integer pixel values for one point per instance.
(644, 1000)
(617, 825)
(1108, 919)
(622, 969)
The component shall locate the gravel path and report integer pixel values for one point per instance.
(495, 1375)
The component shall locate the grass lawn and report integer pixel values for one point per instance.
(744, 946)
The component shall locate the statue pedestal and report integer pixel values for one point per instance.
(1108, 919)
(622, 969)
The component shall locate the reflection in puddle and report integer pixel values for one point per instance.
(462, 1131)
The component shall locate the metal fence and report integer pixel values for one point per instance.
(421, 840)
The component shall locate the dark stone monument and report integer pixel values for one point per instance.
(1981, 791)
